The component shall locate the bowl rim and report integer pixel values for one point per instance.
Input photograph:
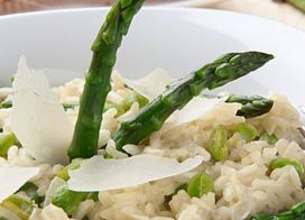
(162, 8)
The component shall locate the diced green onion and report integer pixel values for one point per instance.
(199, 185)
(6, 141)
(218, 147)
(247, 131)
(282, 162)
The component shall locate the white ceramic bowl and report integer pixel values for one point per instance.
(178, 40)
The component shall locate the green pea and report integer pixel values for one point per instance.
(199, 185)
(282, 162)
(247, 131)
(218, 147)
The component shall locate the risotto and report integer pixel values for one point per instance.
(111, 148)
(241, 184)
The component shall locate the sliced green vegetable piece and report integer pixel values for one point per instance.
(68, 200)
(282, 162)
(252, 106)
(19, 206)
(6, 104)
(31, 191)
(247, 131)
(64, 174)
(6, 141)
(269, 138)
(218, 73)
(199, 185)
(218, 146)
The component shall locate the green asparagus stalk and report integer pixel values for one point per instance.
(224, 70)
(97, 86)
(252, 106)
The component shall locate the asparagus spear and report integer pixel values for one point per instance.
(97, 86)
(253, 106)
(213, 75)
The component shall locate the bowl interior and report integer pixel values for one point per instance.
(177, 40)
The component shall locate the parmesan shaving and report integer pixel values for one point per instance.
(37, 117)
(152, 85)
(99, 174)
(194, 110)
(12, 178)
